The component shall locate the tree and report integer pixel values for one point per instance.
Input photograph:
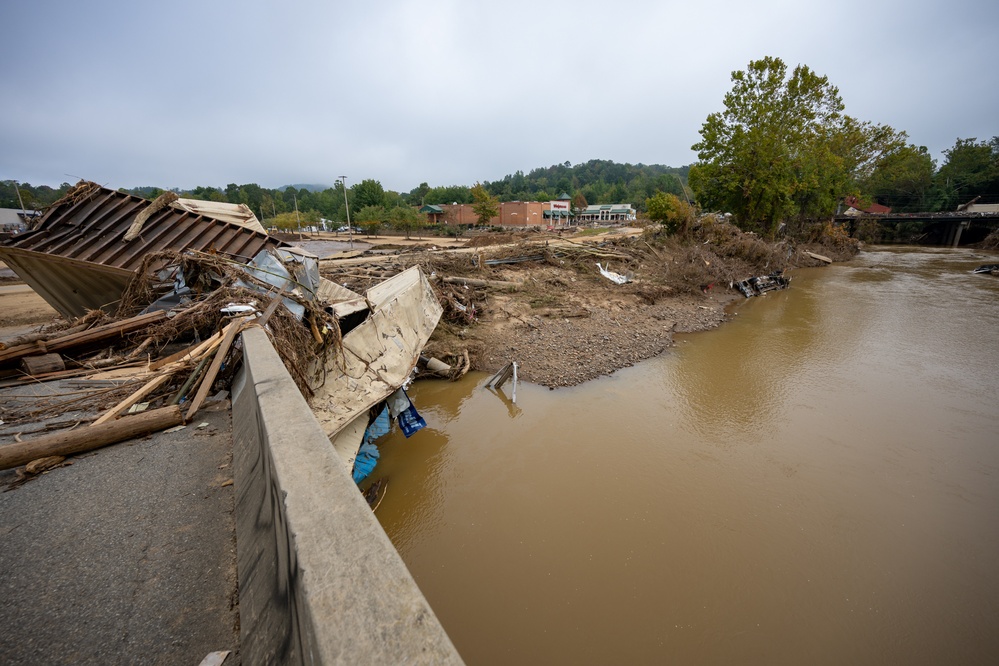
(419, 194)
(368, 192)
(971, 169)
(284, 221)
(370, 219)
(485, 205)
(750, 153)
(448, 195)
(579, 202)
(669, 210)
(406, 219)
(904, 182)
(784, 148)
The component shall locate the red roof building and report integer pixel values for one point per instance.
(854, 207)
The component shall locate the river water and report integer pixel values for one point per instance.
(816, 482)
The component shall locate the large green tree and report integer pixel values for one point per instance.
(904, 182)
(368, 192)
(752, 153)
(783, 148)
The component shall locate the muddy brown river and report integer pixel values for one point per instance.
(816, 482)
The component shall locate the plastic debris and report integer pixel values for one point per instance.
(616, 278)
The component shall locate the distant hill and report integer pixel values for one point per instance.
(597, 181)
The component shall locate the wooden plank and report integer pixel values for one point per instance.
(504, 376)
(17, 351)
(475, 282)
(86, 439)
(107, 331)
(77, 372)
(146, 389)
(497, 375)
(206, 384)
(192, 353)
(825, 260)
(271, 309)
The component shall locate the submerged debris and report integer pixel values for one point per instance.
(755, 286)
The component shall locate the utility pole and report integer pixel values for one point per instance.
(297, 218)
(24, 212)
(350, 232)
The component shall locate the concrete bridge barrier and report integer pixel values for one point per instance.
(319, 581)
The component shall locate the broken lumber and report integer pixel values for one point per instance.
(40, 365)
(475, 282)
(192, 353)
(823, 259)
(30, 338)
(148, 388)
(70, 442)
(91, 336)
(232, 330)
(501, 377)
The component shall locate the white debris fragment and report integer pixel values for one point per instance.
(616, 278)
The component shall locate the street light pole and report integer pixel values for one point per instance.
(350, 232)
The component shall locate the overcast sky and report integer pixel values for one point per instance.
(210, 92)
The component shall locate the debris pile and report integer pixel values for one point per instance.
(148, 349)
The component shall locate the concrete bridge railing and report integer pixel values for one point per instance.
(319, 581)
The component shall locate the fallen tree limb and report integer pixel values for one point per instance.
(475, 282)
(91, 336)
(87, 439)
(30, 338)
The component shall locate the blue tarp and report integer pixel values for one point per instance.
(367, 455)
(402, 408)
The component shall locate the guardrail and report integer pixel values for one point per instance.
(319, 580)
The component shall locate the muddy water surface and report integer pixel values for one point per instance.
(815, 482)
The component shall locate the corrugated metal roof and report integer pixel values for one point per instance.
(76, 259)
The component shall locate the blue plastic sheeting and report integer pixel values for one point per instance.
(364, 463)
(378, 428)
(410, 421)
(367, 455)
(402, 408)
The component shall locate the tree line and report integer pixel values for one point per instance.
(593, 182)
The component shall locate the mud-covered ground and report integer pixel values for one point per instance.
(586, 331)
(566, 324)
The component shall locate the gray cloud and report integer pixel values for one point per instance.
(448, 91)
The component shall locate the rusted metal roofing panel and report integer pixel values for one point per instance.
(89, 223)
(85, 230)
(72, 287)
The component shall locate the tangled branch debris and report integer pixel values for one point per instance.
(134, 355)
